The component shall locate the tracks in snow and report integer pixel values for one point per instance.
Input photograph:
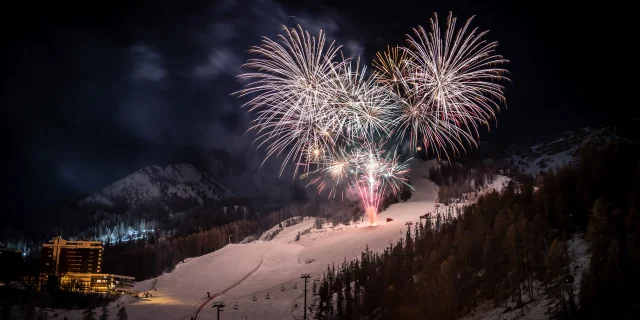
(237, 282)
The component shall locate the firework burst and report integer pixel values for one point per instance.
(391, 67)
(366, 168)
(374, 170)
(289, 88)
(455, 77)
(363, 109)
(328, 116)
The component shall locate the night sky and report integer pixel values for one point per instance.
(97, 90)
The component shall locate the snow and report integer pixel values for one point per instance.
(557, 153)
(559, 140)
(533, 166)
(155, 183)
(238, 271)
(499, 183)
(577, 247)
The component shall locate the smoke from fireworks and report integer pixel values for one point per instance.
(332, 119)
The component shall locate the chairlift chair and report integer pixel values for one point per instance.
(267, 297)
(295, 285)
(282, 288)
(254, 297)
(235, 306)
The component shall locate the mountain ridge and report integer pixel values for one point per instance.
(157, 184)
(558, 151)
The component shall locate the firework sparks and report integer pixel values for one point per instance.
(367, 169)
(362, 107)
(374, 171)
(289, 85)
(452, 77)
(330, 117)
(391, 66)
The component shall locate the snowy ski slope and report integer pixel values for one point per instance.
(238, 271)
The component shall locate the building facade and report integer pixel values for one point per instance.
(77, 266)
(60, 256)
(97, 282)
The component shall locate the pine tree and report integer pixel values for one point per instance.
(514, 253)
(105, 312)
(557, 290)
(122, 314)
(340, 301)
(89, 314)
(446, 285)
(408, 252)
(347, 292)
(42, 315)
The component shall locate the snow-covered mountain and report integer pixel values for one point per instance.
(159, 185)
(560, 151)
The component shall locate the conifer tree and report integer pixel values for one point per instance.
(105, 312)
(557, 290)
(347, 291)
(122, 314)
(89, 314)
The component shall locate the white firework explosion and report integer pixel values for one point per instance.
(289, 88)
(455, 76)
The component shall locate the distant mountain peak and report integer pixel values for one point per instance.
(158, 185)
(557, 152)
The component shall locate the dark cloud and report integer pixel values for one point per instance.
(119, 105)
(147, 64)
(188, 90)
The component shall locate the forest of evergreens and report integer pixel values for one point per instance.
(501, 248)
(455, 179)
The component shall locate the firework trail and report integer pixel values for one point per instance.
(369, 170)
(374, 170)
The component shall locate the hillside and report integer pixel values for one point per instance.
(161, 187)
(238, 271)
(561, 150)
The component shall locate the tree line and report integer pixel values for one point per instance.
(455, 179)
(161, 252)
(509, 249)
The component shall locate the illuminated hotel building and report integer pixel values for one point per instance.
(61, 256)
(78, 265)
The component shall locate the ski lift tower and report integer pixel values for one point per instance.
(306, 277)
(220, 306)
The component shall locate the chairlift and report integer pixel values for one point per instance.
(254, 297)
(282, 288)
(235, 306)
(267, 297)
(295, 285)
